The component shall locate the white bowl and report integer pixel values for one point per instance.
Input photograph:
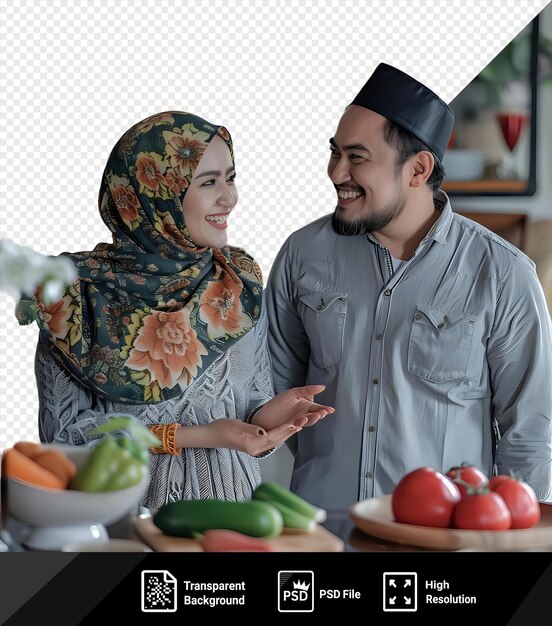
(56, 517)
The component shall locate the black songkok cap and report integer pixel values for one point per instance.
(405, 101)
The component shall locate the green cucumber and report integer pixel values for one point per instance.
(253, 518)
(293, 519)
(273, 492)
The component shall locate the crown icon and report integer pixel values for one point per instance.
(300, 585)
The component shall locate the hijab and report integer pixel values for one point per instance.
(151, 310)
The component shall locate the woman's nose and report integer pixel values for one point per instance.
(227, 198)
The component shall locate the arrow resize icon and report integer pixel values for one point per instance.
(396, 600)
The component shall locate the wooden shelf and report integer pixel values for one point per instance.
(485, 185)
(509, 226)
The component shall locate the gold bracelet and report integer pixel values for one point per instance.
(166, 433)
(170, 441)
(157, 430)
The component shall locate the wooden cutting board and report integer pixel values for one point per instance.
(320, 540)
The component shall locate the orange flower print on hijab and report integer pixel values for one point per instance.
(158, 119)
(177, 184)
(56, 316)
(185, 152)
(221, 309)
(149, 173)
(167, 347)
(127, 204)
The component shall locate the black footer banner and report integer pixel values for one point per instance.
(508, 588)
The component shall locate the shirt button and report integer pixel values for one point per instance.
(375, 381)
(379, 336)
(387, 293)
(418, 317)
(319, 307)
(372, 429)
(368, 474)
(439, 326)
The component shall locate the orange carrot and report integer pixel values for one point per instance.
(28, 448)
(17, 465)
(231, 541)
(58, 463)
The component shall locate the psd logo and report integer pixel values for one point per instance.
(296, 592)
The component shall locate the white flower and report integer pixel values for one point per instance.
(22, 270)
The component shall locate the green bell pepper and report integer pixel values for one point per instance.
(137, 451)
(108, 468)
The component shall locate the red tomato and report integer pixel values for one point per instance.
(494, 481)
(425, 497)
(482, 511)
(520, 500)
(469, 474)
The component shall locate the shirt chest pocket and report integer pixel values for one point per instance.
(323, 315)
(440, 344)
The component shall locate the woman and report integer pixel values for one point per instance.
(166, 323)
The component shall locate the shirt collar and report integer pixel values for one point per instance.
(439, 231)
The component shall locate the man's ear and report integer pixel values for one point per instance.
(422, 166)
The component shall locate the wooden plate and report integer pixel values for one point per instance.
(374, 517)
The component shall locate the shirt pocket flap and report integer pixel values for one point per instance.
(323, 315)
(439, 319)
(322, 300)
(440, 344)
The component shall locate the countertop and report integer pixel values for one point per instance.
(338, 523)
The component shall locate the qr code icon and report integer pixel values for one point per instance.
(158, 591)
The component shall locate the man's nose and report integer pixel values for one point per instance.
(341, 172)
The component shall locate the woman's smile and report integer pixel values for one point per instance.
(218, 220)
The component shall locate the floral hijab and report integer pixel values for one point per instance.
(150, 311)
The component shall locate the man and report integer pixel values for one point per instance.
(430, 333)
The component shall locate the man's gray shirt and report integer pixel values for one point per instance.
(447, 360)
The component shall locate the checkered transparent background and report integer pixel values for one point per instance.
(75, 75)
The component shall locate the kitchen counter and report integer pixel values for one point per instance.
(338, 522)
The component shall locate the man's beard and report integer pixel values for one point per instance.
(371, 223)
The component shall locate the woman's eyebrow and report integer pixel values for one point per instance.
(215, 172)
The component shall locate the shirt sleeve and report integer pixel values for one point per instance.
(519, 354)
(261, 389)
(65, 414)
(287, 340)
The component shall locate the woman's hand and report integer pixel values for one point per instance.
(295, 405)
(237, 435)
